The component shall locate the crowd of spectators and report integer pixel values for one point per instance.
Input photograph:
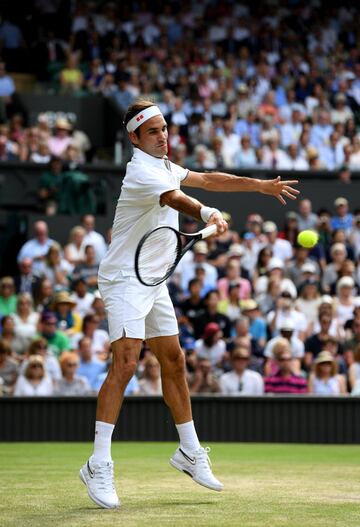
(270, 85)
(257, 313)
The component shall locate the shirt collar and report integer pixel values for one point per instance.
(147, 158)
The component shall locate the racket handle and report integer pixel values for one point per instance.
(208, 231)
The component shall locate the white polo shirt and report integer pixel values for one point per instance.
(249, 383)
(138, 210)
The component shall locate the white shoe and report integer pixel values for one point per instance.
(99, 480)
(197, 466)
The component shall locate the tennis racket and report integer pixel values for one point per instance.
(161, 249)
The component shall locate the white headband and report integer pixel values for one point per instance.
(141, 117)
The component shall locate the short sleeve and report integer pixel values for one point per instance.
(179, 171)
(154, 183)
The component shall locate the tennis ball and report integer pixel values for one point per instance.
(307, 239)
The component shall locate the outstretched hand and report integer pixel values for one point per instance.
(280, 189)
(219, 221)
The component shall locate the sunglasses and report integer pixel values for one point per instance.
(72, 364)
(36, 366)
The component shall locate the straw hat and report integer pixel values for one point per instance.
(63, 297)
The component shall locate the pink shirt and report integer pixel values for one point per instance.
(244, 289)
(57, 145)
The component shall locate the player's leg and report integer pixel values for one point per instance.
(190, 457)
(98, 472)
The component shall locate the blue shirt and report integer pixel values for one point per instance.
(91, 370)
(257, 329)
(34, 249)
(7, 86)
(344, 223)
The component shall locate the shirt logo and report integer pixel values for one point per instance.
(91, 472)
(140, 117)
(190, 459)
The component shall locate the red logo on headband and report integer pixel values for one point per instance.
(140, 117)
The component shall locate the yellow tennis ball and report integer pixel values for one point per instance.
(307, 239)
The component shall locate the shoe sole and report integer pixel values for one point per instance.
(94, 498)
(179, 467)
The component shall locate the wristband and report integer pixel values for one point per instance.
(207, 212)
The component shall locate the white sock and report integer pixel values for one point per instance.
(102, 443)
(188, 437)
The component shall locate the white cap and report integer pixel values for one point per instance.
(269, 226)
(236, 249)
(308, 267)
(275, 263)
(345, 281)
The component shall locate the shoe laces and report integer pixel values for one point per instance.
(203, 459)
(104, 474)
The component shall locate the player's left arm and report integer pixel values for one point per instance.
(218, 181)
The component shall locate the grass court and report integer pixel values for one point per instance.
(265, 486)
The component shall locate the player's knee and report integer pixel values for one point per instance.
(174, 364)
(121, 371)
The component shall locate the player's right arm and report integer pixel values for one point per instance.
(178, 200)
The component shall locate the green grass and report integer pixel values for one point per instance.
(265, 485)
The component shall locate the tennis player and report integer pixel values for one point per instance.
(151, 196)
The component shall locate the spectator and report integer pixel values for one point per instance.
(193, 306)
(8, 369)
(7, 296)
(284, 380)
(342, 218)
(100, 343)
(37, 248)
(68, 320)
(306, 218)
(240, 380)
(330, 275)
(233, 274)
(230, 306)
(83, 298)
(54, 267)
(309, 300)
(71, 77)
(324, 380)
(58, 341)
(150, 383)
(275, 270)
(71, 384)
(332, 154)
(61, 139)
(257, 327)
(17, 343)
(285, 310)
(296, 346)
(346, 301)
(211, 314)
(200, 251)
(89, 367)
(74, 251)
(354, 370)
(25, 318)
(26, 280)
(43, 292)
(98, 309)
(50, 185)
(211, 346)
(280, 248)
(93, 238)
(39, 346)
(34, 381)
(203, 380)
(88, 270)
(302, 267)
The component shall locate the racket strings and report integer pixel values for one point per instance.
(158, 255)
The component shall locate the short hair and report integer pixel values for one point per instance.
(135, 108)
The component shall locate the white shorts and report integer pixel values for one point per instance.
(137, 311)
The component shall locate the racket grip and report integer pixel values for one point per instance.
(208, 231)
